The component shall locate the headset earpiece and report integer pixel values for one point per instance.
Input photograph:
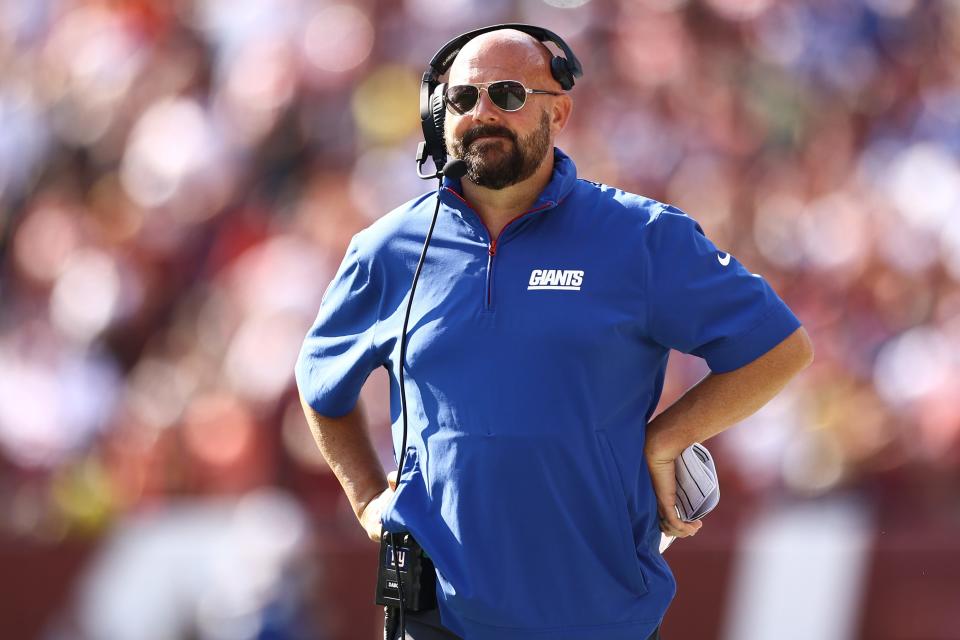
(561, 72)
(431, 122)
(438, 110)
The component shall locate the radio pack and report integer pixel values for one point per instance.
(417, 575)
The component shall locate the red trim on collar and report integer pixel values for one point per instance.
(493, 242)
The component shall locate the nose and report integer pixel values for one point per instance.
(485, 110)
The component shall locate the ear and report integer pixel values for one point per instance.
(560, 113)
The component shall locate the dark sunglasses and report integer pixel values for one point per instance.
(508, 95)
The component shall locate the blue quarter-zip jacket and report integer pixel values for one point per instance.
(534, 361)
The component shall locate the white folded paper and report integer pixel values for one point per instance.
(698, 490)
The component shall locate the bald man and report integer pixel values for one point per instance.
(534, 477)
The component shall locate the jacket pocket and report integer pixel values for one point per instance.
(618, 503)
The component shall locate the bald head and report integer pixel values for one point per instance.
(506, 54)
(501, 147)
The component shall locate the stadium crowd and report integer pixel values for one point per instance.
(179, 180)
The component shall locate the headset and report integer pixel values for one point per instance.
(406, 576)
(432, 106)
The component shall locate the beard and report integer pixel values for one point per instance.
(489, 166)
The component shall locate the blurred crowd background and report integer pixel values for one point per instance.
(179, 180)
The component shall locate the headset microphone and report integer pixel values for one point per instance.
(452, 169)
(455, 169)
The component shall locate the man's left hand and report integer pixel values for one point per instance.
(663, 474)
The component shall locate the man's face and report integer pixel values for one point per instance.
(500, 148)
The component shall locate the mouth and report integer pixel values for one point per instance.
(491, 138)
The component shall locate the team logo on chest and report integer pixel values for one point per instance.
(562, 279)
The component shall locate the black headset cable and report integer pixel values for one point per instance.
(454, 169)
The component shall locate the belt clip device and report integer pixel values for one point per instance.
(417, 575)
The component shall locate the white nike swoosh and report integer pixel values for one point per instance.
(725, 260)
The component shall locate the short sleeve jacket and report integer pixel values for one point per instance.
(534, 361)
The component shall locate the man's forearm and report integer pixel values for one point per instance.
(346, 446)
(721, 400)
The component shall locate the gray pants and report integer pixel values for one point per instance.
(425, 625)
(421, 625)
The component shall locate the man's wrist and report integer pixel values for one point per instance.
(361, 505)
(663, 444)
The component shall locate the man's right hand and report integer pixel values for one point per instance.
(370, 515)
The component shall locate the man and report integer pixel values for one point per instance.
(536, 355)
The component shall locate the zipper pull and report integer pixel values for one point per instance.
(493, 248)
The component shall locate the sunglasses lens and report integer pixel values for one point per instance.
(508, 95)
(462, 97)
